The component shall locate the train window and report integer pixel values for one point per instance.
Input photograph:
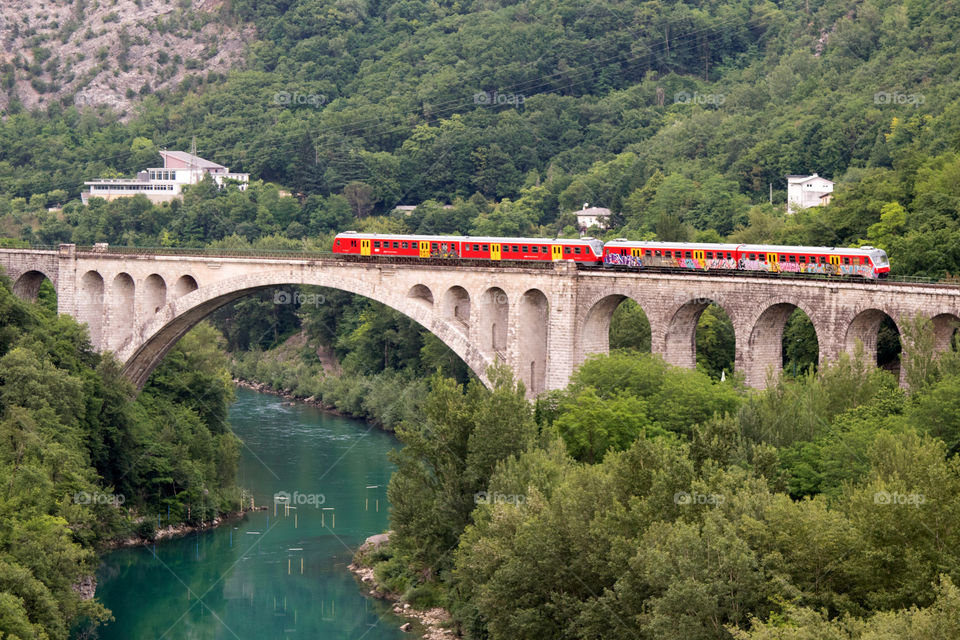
(486, 247)
(434, 246)
(709, 255)
(376, 244)
(686, 254)
(576, 250)
(667, 254)
(729, 256)
(526, 249)
(476, 247)
(353, 243)
(404, 245)
(846, 261)
(793, 258)
(783, 258)
(443, 246)
(338, 243)
(396, 245)
(516, 248)
(535, 249)
(803, 259)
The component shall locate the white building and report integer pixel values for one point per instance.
(593, 217)
(807, 191)
(163, 184)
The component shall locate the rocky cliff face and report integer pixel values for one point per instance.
(111, 52)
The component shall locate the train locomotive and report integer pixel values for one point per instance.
(865, 262)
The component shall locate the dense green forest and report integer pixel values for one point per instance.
(650, 502)
(83, 462)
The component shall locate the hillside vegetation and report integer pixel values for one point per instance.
(679, 116)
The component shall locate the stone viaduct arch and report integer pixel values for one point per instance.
(175, 319)
(542, 322)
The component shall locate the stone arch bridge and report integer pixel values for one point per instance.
(542, 322)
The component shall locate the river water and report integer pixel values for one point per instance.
(268, 576)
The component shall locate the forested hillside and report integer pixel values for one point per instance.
(677, 115)
(82, 462)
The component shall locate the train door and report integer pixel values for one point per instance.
(834, 263)
(365, 246)
(495, 251)
(773, 262)
(699, 258)
(556, 252)
(635, 252)
(424, 247)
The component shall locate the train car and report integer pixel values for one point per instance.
(865, 262)
(583, 250)
(675, 255)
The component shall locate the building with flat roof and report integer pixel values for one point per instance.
(163, 184)
(807, 191)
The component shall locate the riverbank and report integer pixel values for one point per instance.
(431, 623)
(177, 530)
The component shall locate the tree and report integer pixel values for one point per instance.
(360, 197)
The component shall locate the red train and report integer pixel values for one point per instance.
(865, 262)
(584, 250)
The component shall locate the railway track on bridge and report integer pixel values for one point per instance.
(329, 256)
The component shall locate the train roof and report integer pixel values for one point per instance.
(487, 239)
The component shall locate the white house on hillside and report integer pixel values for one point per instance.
(593, 217)
(807, 191)
(163, 184)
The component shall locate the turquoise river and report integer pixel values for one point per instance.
(268, 576)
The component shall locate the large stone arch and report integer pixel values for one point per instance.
(177, 317)
(679, 338)
(593, 331)
(944, 326)
(27, 285)
(764, 346)
(864, 327)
